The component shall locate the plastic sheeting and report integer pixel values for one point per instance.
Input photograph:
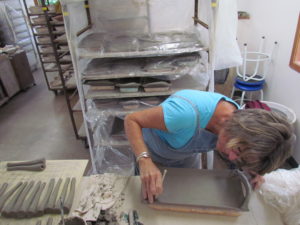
(139, 67)
(114, 159)
(111, 151)
(281, 190)
(227, 52)
(96, 44)
(168, 73)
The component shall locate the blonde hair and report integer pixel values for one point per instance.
(264, 139)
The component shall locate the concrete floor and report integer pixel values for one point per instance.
(36, 123)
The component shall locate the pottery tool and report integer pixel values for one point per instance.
(62, 211)
(164, 175)
(162, 179)
(131, 218)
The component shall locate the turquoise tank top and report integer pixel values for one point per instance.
(181, 119)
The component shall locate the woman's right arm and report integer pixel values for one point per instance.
(150, 175)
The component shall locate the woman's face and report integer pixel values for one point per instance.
(232, 154)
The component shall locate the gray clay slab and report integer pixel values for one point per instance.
(202, 188)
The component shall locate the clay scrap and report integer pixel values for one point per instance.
(34, 165)
(74, 220)
(102, 192)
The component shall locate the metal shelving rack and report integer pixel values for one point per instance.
(47, 48)
(98, 116)
(54, 59)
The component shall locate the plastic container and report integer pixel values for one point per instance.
(282, 110)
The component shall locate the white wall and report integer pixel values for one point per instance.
(277, 21)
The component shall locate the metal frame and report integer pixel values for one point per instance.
(64, 90)
(80, 86)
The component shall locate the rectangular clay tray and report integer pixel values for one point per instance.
(221, 192)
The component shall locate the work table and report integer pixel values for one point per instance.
(259, 214)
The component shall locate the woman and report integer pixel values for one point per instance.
(190, 122)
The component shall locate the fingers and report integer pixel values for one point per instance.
(252, 173)
(151, 185)
(159, 185)
(144, 191)
(257, 181)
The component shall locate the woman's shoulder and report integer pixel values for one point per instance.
(193, 93)
(199, 96)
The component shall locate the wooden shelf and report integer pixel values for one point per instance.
(81, 131)
(77, 107)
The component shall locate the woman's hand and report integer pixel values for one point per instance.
(134, 123)
(257, 180)
(151, 179)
